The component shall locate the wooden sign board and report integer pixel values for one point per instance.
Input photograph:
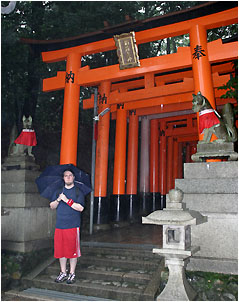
(127, 50)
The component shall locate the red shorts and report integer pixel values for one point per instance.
(67, 243)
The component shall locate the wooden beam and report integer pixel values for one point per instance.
(211, 21)
(55, 83)
(188, 138)
(149, 93)
(181, 59)
(176, 61)
(163, 95)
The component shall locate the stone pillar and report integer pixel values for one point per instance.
(118, 201)
(27, 223)
(101, 202)
(154, 165)
(132, 167)
(144, 166)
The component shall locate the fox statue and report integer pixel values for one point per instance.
(25, 141)
(211, 122)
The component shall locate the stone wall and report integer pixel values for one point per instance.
(27, 221)
(212, 189)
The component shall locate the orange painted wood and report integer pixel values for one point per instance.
(69, 136)
(177, 76)
(165, 63)
(217, 81)
(217, 50)
(188, 138)
(181, 59)
(54, 83)
(178, 60)
(90, 48)
(102, 146)
(120, 153)
(132, 159)
(149, 80)
(211, 21)
(154, 157)
(181, 131)
(88, 103)
(186, 105)
(165, 100)
(148, 93)
(201, 67)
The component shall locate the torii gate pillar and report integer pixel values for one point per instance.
(118, 199)
(201, 67)
(101, 203)
(69, 135)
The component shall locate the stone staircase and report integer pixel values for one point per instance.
(103, 273)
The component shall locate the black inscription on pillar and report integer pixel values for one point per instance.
(162, 133)
(102, 99)
(132, 112)
(70, 76)
(120, 106)
(199, 52)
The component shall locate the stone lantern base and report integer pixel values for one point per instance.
(177, 288)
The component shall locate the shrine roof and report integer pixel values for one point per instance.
(201, 10)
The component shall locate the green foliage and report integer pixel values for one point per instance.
(16, 264)
(9, 265)
(231, 86)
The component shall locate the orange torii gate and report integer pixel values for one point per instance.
(161, 85)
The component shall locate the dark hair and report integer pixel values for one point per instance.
(69, 171)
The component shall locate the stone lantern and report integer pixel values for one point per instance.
(177, 249)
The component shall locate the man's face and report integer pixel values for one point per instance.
(68, 178)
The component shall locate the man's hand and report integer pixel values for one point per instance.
(63, 197)
(54, 204)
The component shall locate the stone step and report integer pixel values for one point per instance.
(208, 186)
(107, 273)
(38, 294)
(111, 261)
(100, 288)
(216, 170)
(137, 252)
(120, 263)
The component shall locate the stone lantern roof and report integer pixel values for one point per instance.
(175, 213)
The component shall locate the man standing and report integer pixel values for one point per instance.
(68, 204)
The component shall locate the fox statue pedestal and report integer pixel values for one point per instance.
(17, 162)
(27, 221)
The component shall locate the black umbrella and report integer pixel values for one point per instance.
(51, 180)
